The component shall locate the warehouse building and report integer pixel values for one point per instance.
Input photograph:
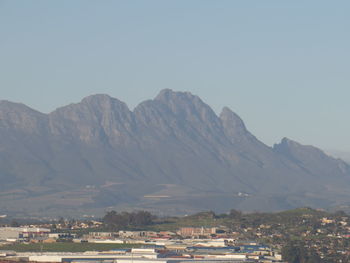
(22, 233)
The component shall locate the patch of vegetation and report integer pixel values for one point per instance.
(296, 252)
(124, 220)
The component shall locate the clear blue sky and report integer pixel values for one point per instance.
(283, 66)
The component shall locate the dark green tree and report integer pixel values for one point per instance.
(124, 220)
(235, 214)
(14, 223)
(295, 252)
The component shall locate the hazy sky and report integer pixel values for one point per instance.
(283, 66)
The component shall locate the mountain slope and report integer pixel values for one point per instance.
(312, 159)
(170, 154)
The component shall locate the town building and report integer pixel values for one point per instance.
(22, 233)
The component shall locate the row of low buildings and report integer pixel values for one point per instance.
(25, 233)
(147, 255)
(185, 232)
(22, 233)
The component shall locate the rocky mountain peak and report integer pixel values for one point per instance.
(94, 106)
(97, 98)
(177, 100)
(289, 147)
(233, 125)
(188, 106)
(8, 106)
(229, 118)
(96, 117)
(104, 102)
(288, 142)
(168, 95)
(310, 156)
(20, 116)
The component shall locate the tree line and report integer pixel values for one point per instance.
(118, 221)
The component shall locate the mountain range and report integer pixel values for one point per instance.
(170, 155)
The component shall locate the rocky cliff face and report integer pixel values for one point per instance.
(172, 153)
